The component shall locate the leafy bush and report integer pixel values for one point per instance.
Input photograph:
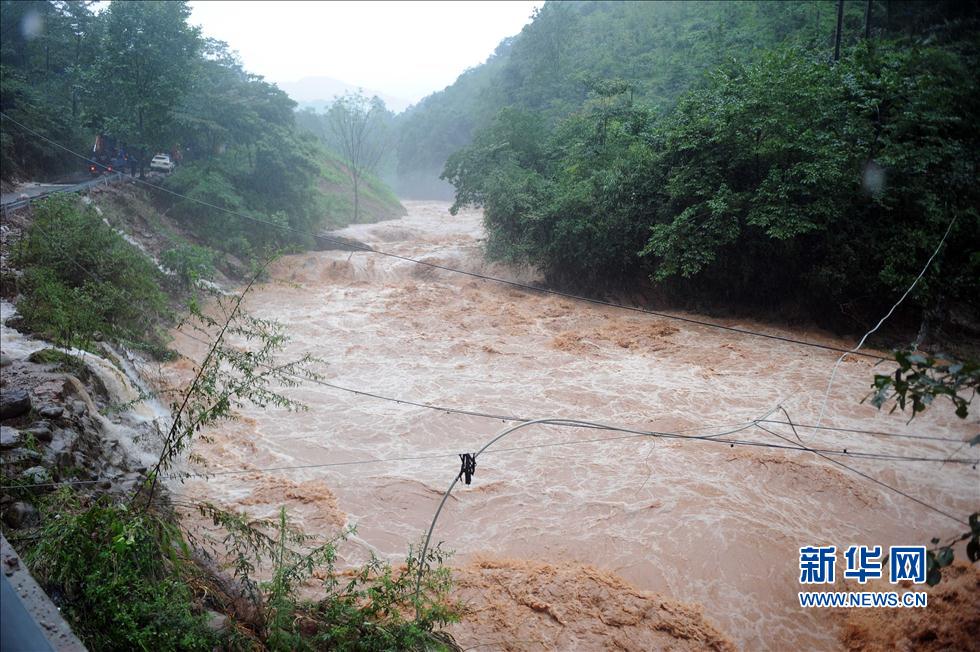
(190, 264)
(921, 378)
(118, 576)
(373, 607)
(273, 188)
(84, 280)
(67, 315)
(782, 180)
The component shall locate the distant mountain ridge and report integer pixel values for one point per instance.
(316, 92)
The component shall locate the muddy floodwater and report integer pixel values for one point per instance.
(693, 522)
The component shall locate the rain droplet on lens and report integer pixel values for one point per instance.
(31, 25)
(873, 179)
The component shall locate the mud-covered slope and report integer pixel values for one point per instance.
(951, 622)
(524, 605)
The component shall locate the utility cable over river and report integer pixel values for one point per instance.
(241, 394)
(365, 311)
(388, 325)
(345, 243)
(391, 328)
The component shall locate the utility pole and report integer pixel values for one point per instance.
(867, 21)
(840, 22)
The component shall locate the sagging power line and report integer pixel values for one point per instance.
(633, 434)
(583, 424)
(679, 434)
(557, 421)
(485, 277)
(714, 438)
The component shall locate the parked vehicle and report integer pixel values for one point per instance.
(162, 163)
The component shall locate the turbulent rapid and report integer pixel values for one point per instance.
(650, 525)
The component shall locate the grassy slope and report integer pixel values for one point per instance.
(378, 202)
(133, 210)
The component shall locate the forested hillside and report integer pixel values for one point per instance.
(718, 150)
(139, 73)
(661, 48)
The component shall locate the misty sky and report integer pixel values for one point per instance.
(404, 49)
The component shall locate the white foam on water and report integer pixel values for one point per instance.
(696, 521)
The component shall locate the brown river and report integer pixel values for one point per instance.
(584, 544)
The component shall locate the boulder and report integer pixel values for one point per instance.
(52, 411)
(41, 431)
(10, 438)
(14, 403)
(36, 475)
(20, 514)
(22, 457)
(217, 622)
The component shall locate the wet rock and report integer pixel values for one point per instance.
(36, 475)
(79, 407)
(41, 431)
(14, 403)
(5, 360)
(217, 622)
(10, 438)
(22, 457)
(129, 482)
(332, 241)
(63, 459)
(20, 514)
(63, 438)
(52, 412)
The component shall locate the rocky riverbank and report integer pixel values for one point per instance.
(63, 423)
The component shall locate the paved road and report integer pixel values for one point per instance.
(34, 190)
(12, 200)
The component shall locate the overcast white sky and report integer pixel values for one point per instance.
(405, 49)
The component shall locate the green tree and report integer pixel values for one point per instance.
(44, 49)
(142, 72)
(663, 49)
(783, 183)
(357, 125)
(83, 280)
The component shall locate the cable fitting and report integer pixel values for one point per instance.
(467, 466)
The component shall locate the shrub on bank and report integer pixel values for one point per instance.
(83, 281)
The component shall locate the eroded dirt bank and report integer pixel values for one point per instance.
(674, 521)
